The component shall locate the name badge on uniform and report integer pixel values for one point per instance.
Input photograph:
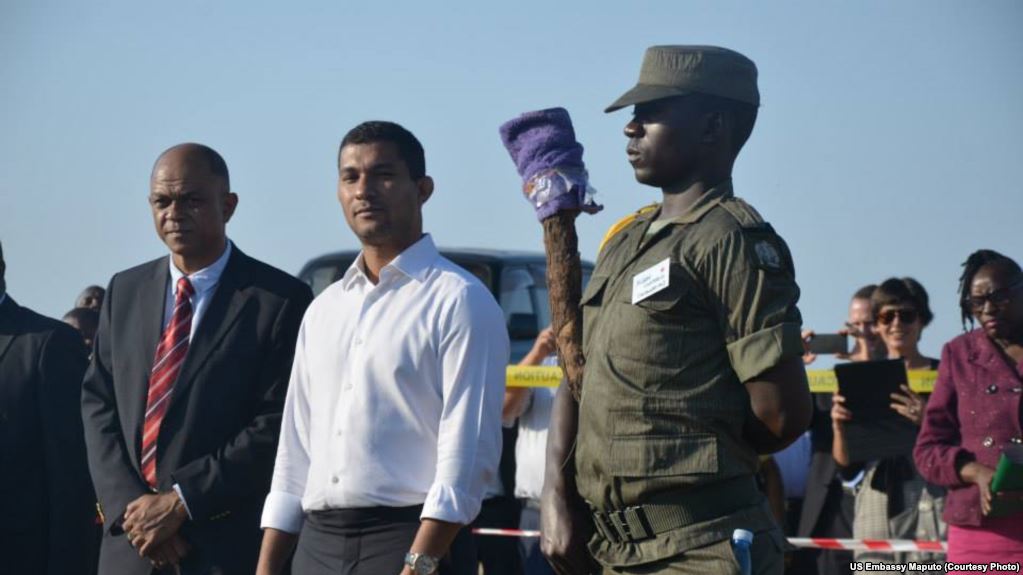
(650, 281)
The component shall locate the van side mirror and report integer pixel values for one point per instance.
(522, 326)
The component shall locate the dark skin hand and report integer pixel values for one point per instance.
(781, 405)
(981, 475)
(152, 520)
(565, 521)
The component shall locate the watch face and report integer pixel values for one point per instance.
(424, 565)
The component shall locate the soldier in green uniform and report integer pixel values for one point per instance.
(692, 343)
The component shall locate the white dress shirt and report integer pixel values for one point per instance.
(395, 394)
(204, 283)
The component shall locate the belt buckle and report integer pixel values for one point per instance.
(631, 523)
(604, 526)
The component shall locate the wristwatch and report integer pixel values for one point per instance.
(421, 563)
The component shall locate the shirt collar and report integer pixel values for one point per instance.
(705, 203)
(415, 262)
(204, 279)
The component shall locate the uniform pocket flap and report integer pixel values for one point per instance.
(594, 291)
(663, 455)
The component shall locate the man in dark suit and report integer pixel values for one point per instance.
(183, 399)
(47, 506)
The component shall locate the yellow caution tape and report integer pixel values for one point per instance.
(534, 376)
(821, 380)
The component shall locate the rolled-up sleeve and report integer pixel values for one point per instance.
(752, 284)
(474, 352)
(282, 509)
(938, 452)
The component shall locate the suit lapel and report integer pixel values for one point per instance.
(151, 300)
(218, 319)
(8, 322)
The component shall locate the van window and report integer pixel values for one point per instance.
(524, 295)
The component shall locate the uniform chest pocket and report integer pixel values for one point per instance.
(651, 331)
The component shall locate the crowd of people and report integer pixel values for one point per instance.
(204, 414)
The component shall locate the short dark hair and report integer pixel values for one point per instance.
(971, 266)
(214, 161)
(218, 167)
(902, 291)
(84, 316)
(865, 292)
(744, 116)
(409, 148)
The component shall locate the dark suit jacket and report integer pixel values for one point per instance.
(47, 506)
(219, 436)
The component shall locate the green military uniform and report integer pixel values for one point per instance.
(660, 455)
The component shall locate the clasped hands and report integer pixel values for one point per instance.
(151, 524)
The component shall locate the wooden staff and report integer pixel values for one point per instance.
(564, 290)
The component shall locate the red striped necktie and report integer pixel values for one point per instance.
(170, 354)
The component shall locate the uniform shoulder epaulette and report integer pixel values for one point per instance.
(624, 223)
(746, 215)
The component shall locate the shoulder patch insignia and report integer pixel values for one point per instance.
(768, 255)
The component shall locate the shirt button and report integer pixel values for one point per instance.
(339, 433)
(988, 442)
(334, 479)
(348, 387)
(358, 341)
(1017, 389)
(991, 388)
(1017, 440)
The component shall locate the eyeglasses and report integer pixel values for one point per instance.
(904, 315)
(997, 298)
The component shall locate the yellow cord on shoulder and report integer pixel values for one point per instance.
(622, 223)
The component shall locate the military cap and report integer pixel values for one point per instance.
(669, 71)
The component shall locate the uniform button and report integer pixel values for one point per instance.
(1017, 389)
(991, 388)
(988, 442)
(1016, 440)
(334, 479)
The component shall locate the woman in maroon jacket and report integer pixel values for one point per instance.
(975, 411)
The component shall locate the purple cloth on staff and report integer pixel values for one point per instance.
(550, 160)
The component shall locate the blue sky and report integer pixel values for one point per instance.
(888, 141)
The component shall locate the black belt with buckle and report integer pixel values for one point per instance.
(640, 522)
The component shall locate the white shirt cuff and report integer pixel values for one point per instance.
(283, 512)
(181, 496)
(448, 503)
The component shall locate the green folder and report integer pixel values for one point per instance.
(1008, 477)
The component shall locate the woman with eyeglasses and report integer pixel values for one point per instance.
(974, 413)
(892, 500)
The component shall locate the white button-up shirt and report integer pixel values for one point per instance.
(395, 395)
(204, 282)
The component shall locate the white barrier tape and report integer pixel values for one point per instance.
(882, 545)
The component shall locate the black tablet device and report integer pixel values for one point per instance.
(876, 430)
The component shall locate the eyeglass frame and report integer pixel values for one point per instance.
(905, 315)
(1002, 297)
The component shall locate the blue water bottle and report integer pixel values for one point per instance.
(742, 540)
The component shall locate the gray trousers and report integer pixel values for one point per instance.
(370, 541)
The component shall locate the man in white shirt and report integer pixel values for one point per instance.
(392, 424)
